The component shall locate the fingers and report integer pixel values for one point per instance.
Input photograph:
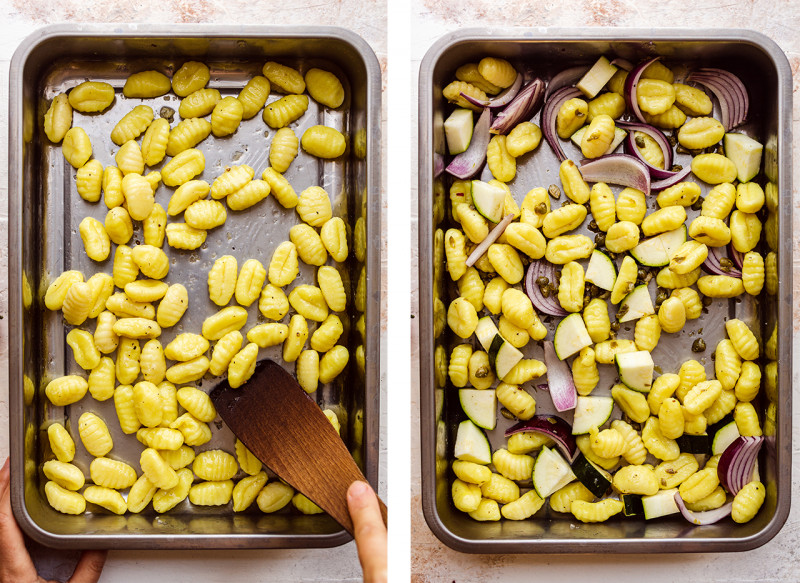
(369, 531)
(15, 563)
(89, 567)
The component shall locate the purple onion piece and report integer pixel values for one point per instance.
(621, 169)
(467, 164)
(522, 108)
(631, 82)
(552, 425)
(713, 263)
(501, 99)
(565, 78)
(438, 164)
(661, 140)
(736, 463)
(671, 181)
(559, 379)
(623, 64)
(546, 305)
(493, 236)
(736, 256)
(703, 518)
(733, 86)
(548, 118)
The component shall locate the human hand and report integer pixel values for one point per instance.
(16, 565)
(369, 530)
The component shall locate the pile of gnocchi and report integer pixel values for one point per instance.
(152, 385)
(524, 273)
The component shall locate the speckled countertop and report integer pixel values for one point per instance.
(431, 561)
(19, 18)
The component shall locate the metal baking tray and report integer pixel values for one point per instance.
(44, 212)
(545, 52)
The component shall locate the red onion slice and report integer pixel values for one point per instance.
(549, 114)
(736, 256)
(730, 92)
(617, 169)
(552, 425)
(736, 463)
(559, 379)
(713, 263)
(735, 87)
(438, 164)
(703, 518)
(466, 164)
(566, 78)
(522, 108)
(631, 83)
(672, 180)
(624, 64)
(546, 305)
(493, 236)
(661, 140)
(499, 100)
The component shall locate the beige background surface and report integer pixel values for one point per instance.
(21, 17)
(431, 561)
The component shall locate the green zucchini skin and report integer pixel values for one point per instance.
(590, 476)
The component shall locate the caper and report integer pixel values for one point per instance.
(725, 264)
(615, 326)
(566, 202)
(661, 298)
(681, 150)
(483, 372)
(698, 204)
(545, 291)
(658, 369)
(600, 239)
(542, 281)
(707, 301)
(592, 226)
(699, 345)
(167, 113)
(506, 413)
(673, 141)
(640, 143)
(611, 255)
(641, 274)
(554, 191)
(541, 208)
(605, 295)
(676, 168)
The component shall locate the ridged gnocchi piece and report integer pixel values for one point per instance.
(226, 116)
(199, 103)
(78, 303)
(571, 287)
(58, 118)
(165, 500)
(157, 470)
(332, 288)
(748, 501)
(753, 273)
(713, 168)
(95, 239)
(584, 371)
(571, 116)
(746, 418)
(607, 443)
(147, 403)
(186, 346)
(605, 352)
(595, 511)
(309, 302)
(194, 432)
(647, 332)
(249, 463)
(112, 187)
(655, 442)
(469, 74)
(140, 328)
(183, 167)
(63, 500)
(563, 219)
(139, 196)
(161, 438)
(502, 165)
(189, 371)
(76, 147)
(743, 339)
(222, 280)
(146, 84)
(458, 366)
(598, 136)
(118, 226)
(700, 132)
(215, 465)
(636, 479)
(172, 306)
(309, 244)
(333, 363)
(666, 219)
(307, 370)
(125, 407)
(64, 474)
(182, 236)
(283, 149)
(250, 194)
(234, 178)
(672, 473)
(197, 403)
(749, 197)
(283, 78)
(702, 396)
(94, 434)
(500, 488)
(462, 317)
(57, 290)
(466, 496)
(603, 207)
(169, 402)
(699, 485)
(84, 351)
(323, 142)
(192, 76)
(253, 96)
(274, 496)
(224, 350)
(106, 498)
(749, 382)
(273, 303)
(745, 231)
(453, 91)
(283, 267)
(314, 206)
(89, 179)
(152, 261)
(720, 286)
(526, 238)
(479, 371)
(132, 125)
(280, 188)
(242, 365)
(129, 158)
(506, 262)
(524, 138)
(516, 399)
(140, 495)
(188, 133)
(672, 315)
(61, 443)
(285, 110)
(113, 474)
(246, 491)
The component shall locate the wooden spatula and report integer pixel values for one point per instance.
(284, 428)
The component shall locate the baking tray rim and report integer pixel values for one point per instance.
(372, 344)
(541, 35)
